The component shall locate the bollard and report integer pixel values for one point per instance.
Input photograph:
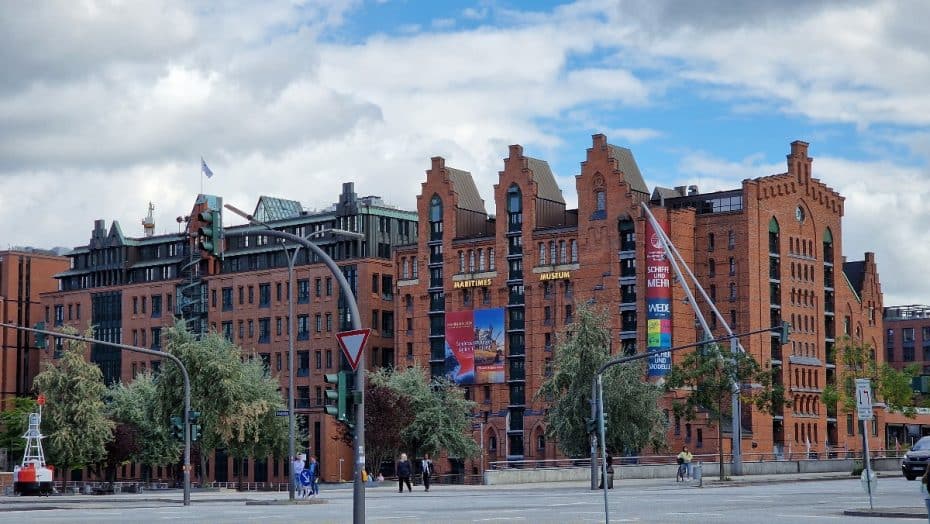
(697, 474)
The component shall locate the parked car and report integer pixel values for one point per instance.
(915, 460)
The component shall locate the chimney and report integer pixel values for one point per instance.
(439, 163)
(692, 190)
(599, 141)
(516, 151)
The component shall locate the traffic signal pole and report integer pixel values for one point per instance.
(162, 354)
(358, 492)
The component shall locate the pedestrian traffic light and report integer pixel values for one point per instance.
(605, 424)
(210, 234)
(784, 332)
(339, 395)
(40, 337)
(591, 425)
(177, 428)
(193, 418)
(195, 432)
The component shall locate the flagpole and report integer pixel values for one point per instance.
(201, 175)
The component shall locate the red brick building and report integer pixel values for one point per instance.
(131, 290)
(768, 251)
(24, 275)
(907, 343)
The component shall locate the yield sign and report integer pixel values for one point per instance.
(352, 344)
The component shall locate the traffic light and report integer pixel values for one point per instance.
(177, 428)
(591, 425)
(40, 337)
(605, 424)
(784, 332)
(193, 417)
(210, 234)
(339, 394)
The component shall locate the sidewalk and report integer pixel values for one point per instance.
(889, 513)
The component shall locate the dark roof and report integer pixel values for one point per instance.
(547, 188)
(664, 193)
(270, 209)
(630, 170)
(855, 273)
(465, 188)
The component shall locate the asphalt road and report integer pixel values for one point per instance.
(793, 502)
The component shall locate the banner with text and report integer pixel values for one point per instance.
(658, 304)
(475, 346)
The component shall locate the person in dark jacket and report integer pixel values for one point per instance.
(403, 473)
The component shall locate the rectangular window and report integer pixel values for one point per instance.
(303, 291)
(264, 330)
(277, 291)
(303, 327)
(227, 330)
(318, 285)
(241, 295)
(850, 428)
(251, 328)
(135, 305)
(241, 330)
(213, 298)
(374, 319)
(329, 322)
(374, 283)
(156, 306)
(227, 299)
(278, 325)
(329, 358)
(264, 295)
(907, 335)
(156, 338)
(277, 362)
(710, 241)
(319, 359)
(251, 294)
(731, 239)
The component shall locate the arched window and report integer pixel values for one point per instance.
(773, 236)
(542, 253)
(471, 261)
(552, 252)
(514, 208)
(574, 250)
(732, 266)
(492, 444)
(435, 218)
(600, 199)
(461, 261)
(828, 246)
(563, 254)
(405, 268)
(541, 441)
(481, 260)
(732, 290)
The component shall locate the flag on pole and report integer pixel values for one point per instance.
(205, 169)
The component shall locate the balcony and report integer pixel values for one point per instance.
(517, 372)
(517, 324)
(515, 274)
(516, 299)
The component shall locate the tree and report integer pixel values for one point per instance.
(441, 414)
(630, 402)
(74, 417)
(137, 404)
(13, 425)
(236, 399)
(251, 428)
(387, 414)
(893, 387)
(707, 374)
(124, 445)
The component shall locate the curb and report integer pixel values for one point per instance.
(750, 482)
(913, 513)
(285, 502)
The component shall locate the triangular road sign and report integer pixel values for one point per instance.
(352, 344)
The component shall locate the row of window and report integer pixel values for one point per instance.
(800, 246)
(156, 305)
(712, 240)
(802, 272)
(482, 265)
(564, 256)
(409, 268)
(806, 405)
(907, 335)
(264, 293)
(281, 326)
(804, 349)
(806, 378)
(140, 338)
(712, 267)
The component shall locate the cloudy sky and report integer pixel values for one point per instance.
(107, 105)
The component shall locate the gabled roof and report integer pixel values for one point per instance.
(855, 273)
(547, 188)
(633, 177)
(269, 209)
(661, 193)
(466, 190)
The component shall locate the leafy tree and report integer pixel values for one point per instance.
(137, 404)
(251, 429)
(630, 403)
(124, 445)
(13, 425)
(440, 413)
(707, 375)
(893, 387)
(387, 414)
(236, 399)
(74, 417)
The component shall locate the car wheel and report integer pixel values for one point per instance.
(909, 477)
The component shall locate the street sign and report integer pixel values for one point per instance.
(282, 413)
(864, 398)
(352, 344)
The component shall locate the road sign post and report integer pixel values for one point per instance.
(864, 411)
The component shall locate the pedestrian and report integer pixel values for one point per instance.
(427, 466)
(610, 473)
(403, 473)
(314, 476)
(685, 458)
(925, 489)
(297, 464)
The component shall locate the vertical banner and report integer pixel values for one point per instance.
(475, 346)
(658, 304)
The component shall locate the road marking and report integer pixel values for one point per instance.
(694, 514)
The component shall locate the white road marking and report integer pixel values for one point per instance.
(795, 517)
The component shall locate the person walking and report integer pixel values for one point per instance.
(685, 458)
(427, 466)
(314, 469)
(403, 473)
(298, 466)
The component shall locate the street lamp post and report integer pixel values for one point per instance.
(169, 356)
(358, 500)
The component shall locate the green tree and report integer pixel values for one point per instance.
(630, 402)
(13, 425)
(137, 404)
(893, 387)
(251, 428)
(74, 417)
(232, 396)
(707, 375)
(441, 414)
